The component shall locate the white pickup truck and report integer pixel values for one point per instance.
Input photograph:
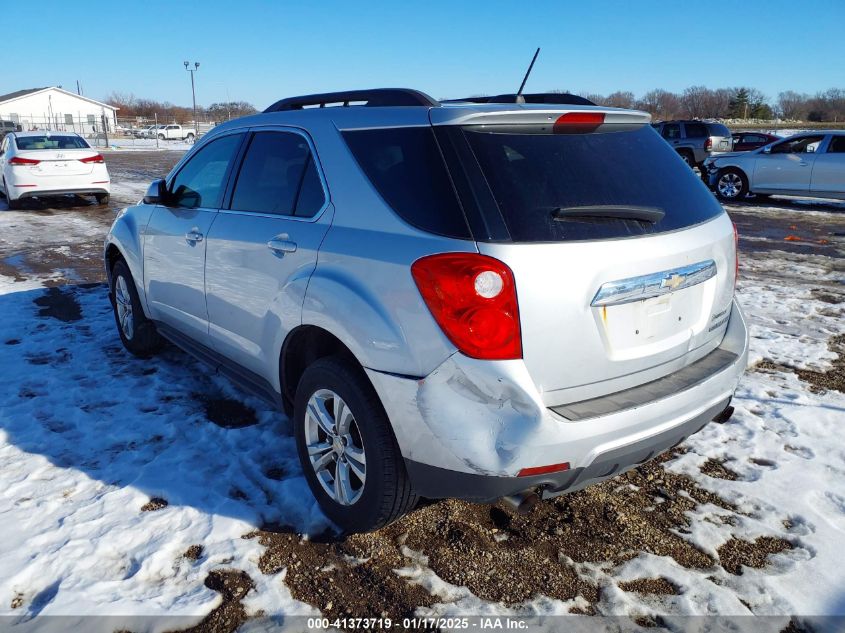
(176, 132)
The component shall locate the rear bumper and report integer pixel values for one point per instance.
(38, 192)
(467, 429)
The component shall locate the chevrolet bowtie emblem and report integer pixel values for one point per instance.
(673, 282)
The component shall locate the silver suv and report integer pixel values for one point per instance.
(695, 141)
(471, 300)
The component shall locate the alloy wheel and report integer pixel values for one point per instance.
(123, 305)
(729, 185)
(335, 448)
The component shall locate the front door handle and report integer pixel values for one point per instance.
(282, 244)
(193, 236)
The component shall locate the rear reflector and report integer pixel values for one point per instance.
(578, 122)
(543, 470)
(17, 160)
(98, 158)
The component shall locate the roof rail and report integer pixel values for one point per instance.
(377, 97)
(559, 98)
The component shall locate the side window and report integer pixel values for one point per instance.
(802, 145)
(837, 145)
(696, 130)
(278, 176)
(311, 196)
(672, 131)
(202, 180)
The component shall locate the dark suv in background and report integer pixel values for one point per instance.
(695, 141)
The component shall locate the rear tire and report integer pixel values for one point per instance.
(189, 138)
(102, 198)
(336, 453)
(688, 158)
(161, 137)
(137, 333)
(731, 184)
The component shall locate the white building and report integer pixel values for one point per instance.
(57, 109)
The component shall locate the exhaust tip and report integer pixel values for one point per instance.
(522, 502)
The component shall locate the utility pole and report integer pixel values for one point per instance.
(194, 95)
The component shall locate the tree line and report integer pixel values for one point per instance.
(136, 107)
(700, 102)
(695, 102)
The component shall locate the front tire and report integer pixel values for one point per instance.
(731, 185)
(137, 333)
(161, 137)
(347, 450)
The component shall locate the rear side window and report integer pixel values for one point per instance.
(566, 187)
(278, 176)
(696, 130)
(717, 129)
(406, 168)
(837, 145)
(201, 181)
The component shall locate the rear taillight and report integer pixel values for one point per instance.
(97, 158)
(17, 160)
(736, 255)
(578, 122)
(473, 299)
(708, 144)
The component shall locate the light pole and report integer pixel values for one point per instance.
(194, 94)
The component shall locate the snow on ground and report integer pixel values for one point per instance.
(91, 439)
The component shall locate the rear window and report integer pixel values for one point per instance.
(50, 142)
(717, 129)
(406, 168)
(566, 187)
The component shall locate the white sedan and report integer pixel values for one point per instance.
(44, 163)
(807, 164)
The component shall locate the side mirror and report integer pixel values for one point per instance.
(767, 150)
(811, 149)
(156, 193)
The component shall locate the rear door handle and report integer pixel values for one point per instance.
(282, 244)
(193, 236)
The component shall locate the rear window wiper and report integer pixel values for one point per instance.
(652, 215)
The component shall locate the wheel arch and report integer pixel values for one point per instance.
(303, 346)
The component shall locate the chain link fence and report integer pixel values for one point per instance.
(105, 131)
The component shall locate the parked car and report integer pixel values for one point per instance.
(811, 164)
(746, 141)
(43, 164)
(696, 140)
(176, 132)
(448, 300)
(8, 126)
(145, 132)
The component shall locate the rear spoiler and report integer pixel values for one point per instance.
(534, 115)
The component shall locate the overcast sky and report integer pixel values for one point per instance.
(262, 51)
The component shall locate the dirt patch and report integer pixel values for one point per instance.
(232, 585)
(826, 296)
(228, 413)
(717, 469)
(156, 503)
(194, 552)
(59, 304)
(499, 555)
(737, 553)
(820, 381)
(277, 473)
(656, 586)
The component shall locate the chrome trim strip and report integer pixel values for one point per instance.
(653, 285)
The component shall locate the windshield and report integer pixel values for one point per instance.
(617, 181)
(50, 142)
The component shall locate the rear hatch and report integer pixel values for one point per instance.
(721, 139)
(623, 260)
